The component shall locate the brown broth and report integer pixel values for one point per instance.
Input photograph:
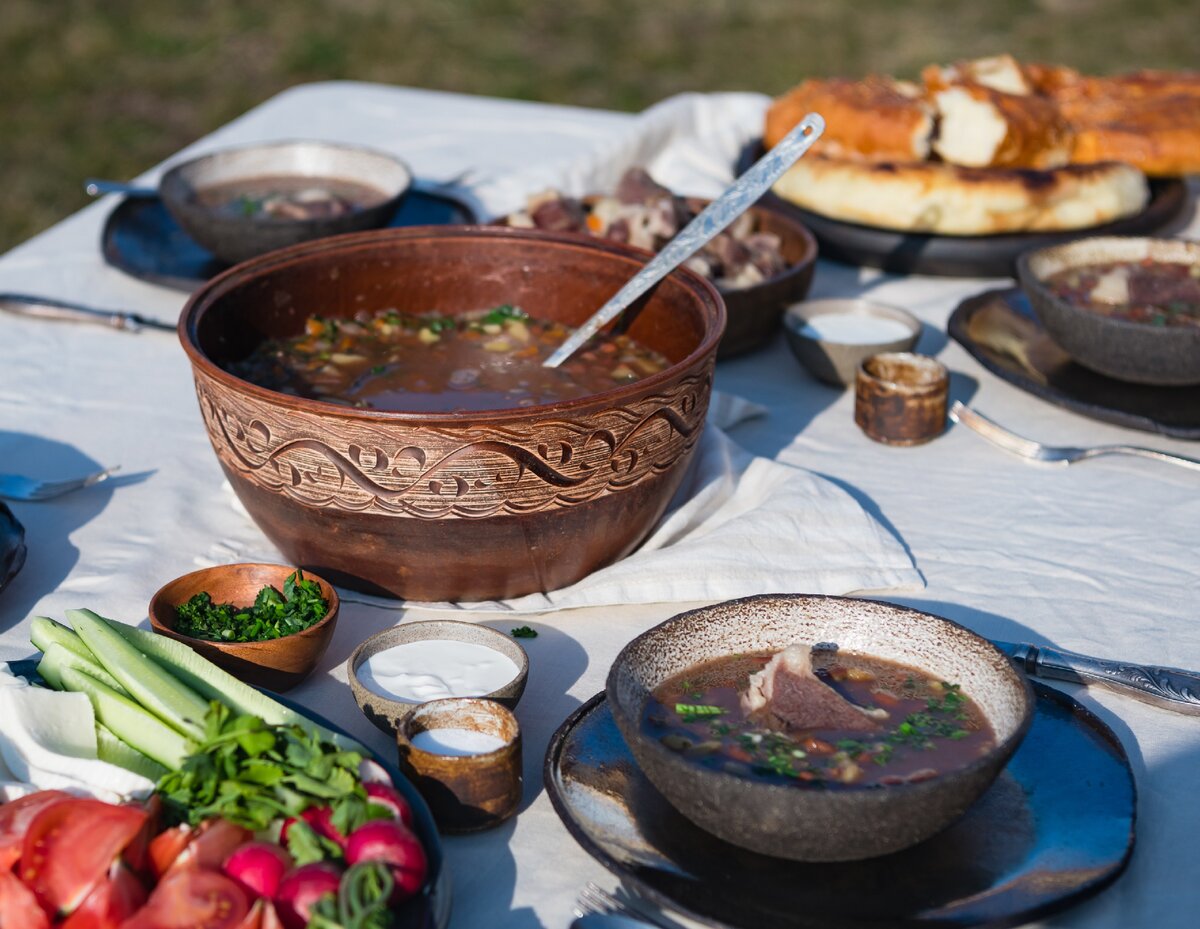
(289, 197)
(931, 727)
(487, 360)
(1150, 292)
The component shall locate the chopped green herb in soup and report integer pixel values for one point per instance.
(1156, 293)
(289, 198)
(427, 363)
(828, 720)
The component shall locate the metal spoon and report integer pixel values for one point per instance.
(96, 187)
(719, 214)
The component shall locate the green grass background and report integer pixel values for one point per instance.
(110, 87)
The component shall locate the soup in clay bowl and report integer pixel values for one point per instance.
(930, 733)
(461, 506)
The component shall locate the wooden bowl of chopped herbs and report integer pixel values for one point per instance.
(267, 624)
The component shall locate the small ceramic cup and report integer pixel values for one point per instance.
(467, 792)
(900, 398)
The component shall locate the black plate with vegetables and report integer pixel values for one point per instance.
(12, 545)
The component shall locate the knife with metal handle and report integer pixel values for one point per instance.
(45, 308)
(1170, 688)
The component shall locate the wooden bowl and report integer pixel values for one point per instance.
(462, 506)
(277, 664)
(805, 824)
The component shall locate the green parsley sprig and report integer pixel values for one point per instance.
(274, 613)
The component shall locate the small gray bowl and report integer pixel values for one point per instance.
(387, 713)
(806, 824)
(835, 361)
(1128, 351)
(235, 238)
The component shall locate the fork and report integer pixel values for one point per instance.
(595, 899)
(19, 487)
(1055, 454)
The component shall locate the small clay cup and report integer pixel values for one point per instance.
(387, 713)
(900, 398)
(467, 793)
(276, 664)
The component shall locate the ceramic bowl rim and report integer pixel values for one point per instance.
(710, 304)
(403, 708)
(247, 648)
(1000, 749)
(1031, 280)
(803, 311)
(179, 173)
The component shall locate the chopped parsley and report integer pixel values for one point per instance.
(273, 615)
(523, 632)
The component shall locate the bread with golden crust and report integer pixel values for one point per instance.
(875, 119)
(947, 199)
(980, 127)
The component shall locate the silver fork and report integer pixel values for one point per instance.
(1055, 454)
(19, 487)
(595, 899)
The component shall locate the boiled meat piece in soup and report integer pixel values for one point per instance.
(788, 690)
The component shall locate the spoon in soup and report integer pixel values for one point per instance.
(718, 215)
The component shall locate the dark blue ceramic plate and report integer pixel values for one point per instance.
(12, 545)
(141, 238)
(431, 909)
(1001, 331)
(1057, 826)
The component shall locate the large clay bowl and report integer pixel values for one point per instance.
(1167, 356)
(277, 664)
(455, 506)
(808, 824)
(232, 237)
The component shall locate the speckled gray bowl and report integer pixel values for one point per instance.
(1166, 356)
(806, 824)
(835, 362)
(386, 713)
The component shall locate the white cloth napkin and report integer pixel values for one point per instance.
(738, 525)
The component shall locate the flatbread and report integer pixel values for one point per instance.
(954, 200)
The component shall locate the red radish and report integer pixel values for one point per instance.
(389, 841)
(258, 867)
(320, 818)
(301, 888)
(372, 772)
(392, 799)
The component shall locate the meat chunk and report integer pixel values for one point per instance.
(789, 692)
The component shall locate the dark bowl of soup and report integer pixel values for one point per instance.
(1128, 308)
(818, 728)
(242, 202)
(393, 454)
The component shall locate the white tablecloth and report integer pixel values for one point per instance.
(1100, 558)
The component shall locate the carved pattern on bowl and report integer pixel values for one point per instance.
(435, 472)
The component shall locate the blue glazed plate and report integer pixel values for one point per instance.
(1056, 827)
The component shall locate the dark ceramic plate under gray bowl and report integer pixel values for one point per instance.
(1159, 356)
(999, 329)
(386, 713)
(142, 239)
(853, 821)
(1056, 826)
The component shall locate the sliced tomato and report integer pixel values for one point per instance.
(210, 844)
(111, 902)
(137, 853)
(262, 915)
(70, 846)
(167, 846)
(193, 898)
(15, 817)
(19, 908)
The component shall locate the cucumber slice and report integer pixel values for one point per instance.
(111, 749)
(130, 723)
(154, 688)
(43, 631)
(215, 683)
(58, 656)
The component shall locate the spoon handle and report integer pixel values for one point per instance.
(95, 187)
(719, 214)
